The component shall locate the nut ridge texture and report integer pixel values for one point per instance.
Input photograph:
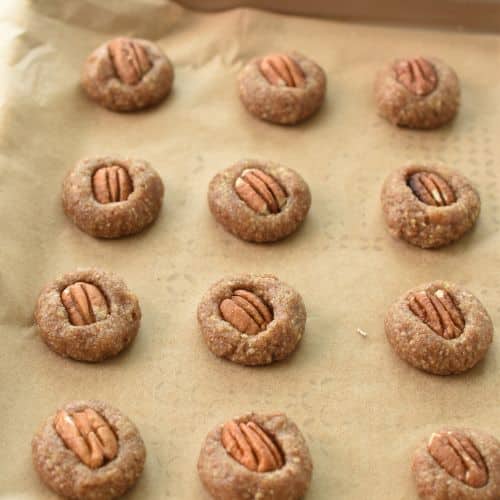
(457, 463)
(87, 315)
(260, 456)
(285, 88)
(440, 328)
(111, 197)
(266, 327)
(259, 201)
(429, 205)
(127, 74)
(88, 450)
(420, 93)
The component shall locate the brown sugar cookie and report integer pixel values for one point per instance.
(259, 201)
(458, 464)
(419, 92)
(284, 88)
(127, 74)
(429, 205)
(252, 319)
(88, 450)
(255, 456)
(110, 197)
(87, 315)
(439, 328)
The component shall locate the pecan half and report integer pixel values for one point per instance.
(439, 311)
(246, 312)
(88, 436)
(418, 75)
(282, 70)
(251, 446)
(459, 457)
(84, 303)
(130, 60)
(261, 192)
(111, 184)
(432, 189)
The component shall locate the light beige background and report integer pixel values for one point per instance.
(362, 410)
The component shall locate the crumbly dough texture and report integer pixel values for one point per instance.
(401, 107)
(99, 340)
(62, 471)
(239, 219)
(227, 479)
(415, 342)
(434, 483)
(276, 342)
(282, 105)
(100, 81)
(112, 220)
(423, 225)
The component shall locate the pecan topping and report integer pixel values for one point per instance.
(283, 71)
(130, 60)
(459, 457)
(111, 184)
(418, 75)
(261, 192)
(251, 446)
(246, 312)
(84, 303)
(88, 436)
(439, 311)
(432, 189)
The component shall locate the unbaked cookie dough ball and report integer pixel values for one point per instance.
(283, 88)
(252, 319)
(420, 93)
(259, 201)
(440, 328)
(87, 315)
(111, 197)
(256, 457)
(127, 74)
(429, 205)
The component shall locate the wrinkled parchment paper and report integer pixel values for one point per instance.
(361, 408)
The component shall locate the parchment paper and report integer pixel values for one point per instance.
(361, 408)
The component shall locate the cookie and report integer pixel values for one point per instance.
(421, 93)
(255, 456)
(88, 450)
(458, 464)
(110, 197)
(283, 88)
(439, 328)
(127, 74)
(429, 205)
(259, 201)
(252, 319)
(87, 315)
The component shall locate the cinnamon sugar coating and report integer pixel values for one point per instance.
(435, 483)
(118, 218)
(62, 471)
(226, 479)
(402, 107)
(284, 105)
(242, 220)
(418, 343)
(275, 342)
(424, 225)
(98, 340)
(105, 85)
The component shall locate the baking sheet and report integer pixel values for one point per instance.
(481, 15)
(361, 409)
